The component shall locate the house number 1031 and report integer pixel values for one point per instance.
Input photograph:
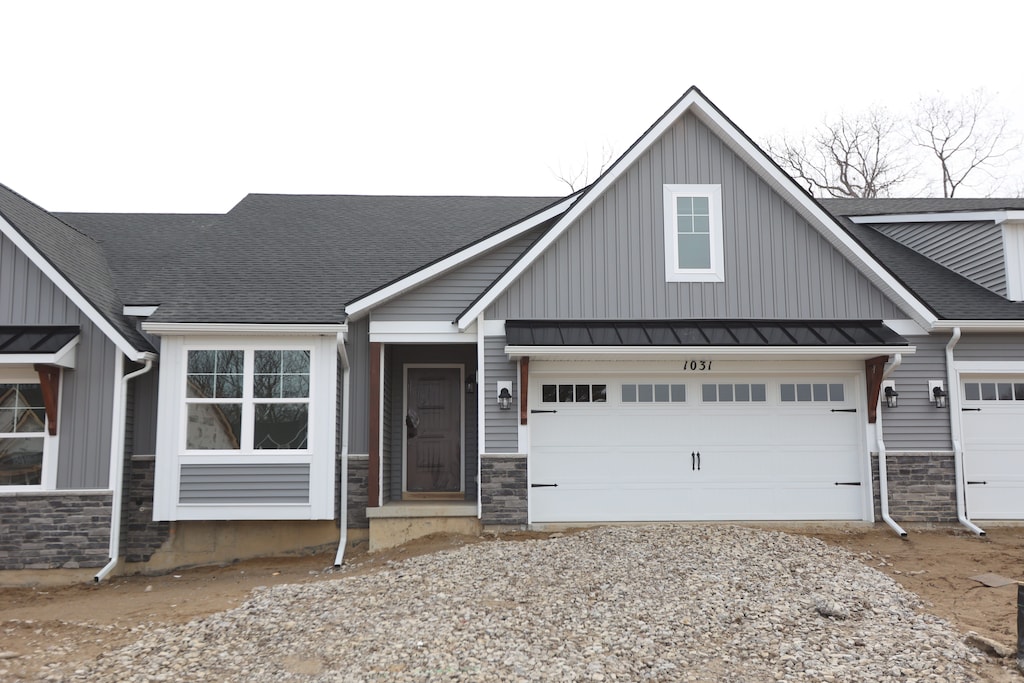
(697, 365)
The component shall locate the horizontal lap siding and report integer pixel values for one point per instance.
(610, 263)
(265, 484)
(502, 429)
(28, 297)
(446, 297)
(990, 347)
(916, 424)
(975, 250)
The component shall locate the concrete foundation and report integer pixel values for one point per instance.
(201, 543)
(400, 522)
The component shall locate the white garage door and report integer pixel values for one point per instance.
(993, 412)
(614, 447)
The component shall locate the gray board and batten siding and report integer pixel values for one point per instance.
(610, 264)
(446, 297)
(357, 347)
(972, 249)
(29, 297)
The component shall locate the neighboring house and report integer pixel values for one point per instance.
(692, 337)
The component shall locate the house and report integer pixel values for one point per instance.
(692, 337)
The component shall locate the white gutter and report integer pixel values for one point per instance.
(883, 473)
(343, 513)
(955, 412)
(117, 462)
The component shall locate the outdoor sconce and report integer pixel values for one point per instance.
(505, 395)
(892, 397)
(471, 384)
(936, 393)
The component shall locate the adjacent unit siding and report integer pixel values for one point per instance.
(502, 429)
(973, 249)
(28, 297)
(237, 484)
(916, 424)
(446, 297)
(990, 347)
(610, 263)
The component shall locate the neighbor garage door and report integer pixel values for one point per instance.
(993, 411)
(620, 446)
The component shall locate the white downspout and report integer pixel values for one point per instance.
(883, 473)
(117, 458)
(953, 394)
(345, 398)
(481, 407)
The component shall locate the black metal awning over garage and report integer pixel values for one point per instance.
(702, 333)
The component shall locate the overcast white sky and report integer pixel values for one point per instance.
(188, 106)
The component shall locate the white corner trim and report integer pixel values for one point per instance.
(941, 217)
(359, 307)
(139, 311)
(695, 101)
(70, 291)
(245, 328)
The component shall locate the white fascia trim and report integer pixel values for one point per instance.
(71, 292)
(494, 328)
(64, 358)
(245, 328)
(396, 331)
(139, 311)
(694, 100)
(989, 367)
(941, 217)
(360, 306)
(705, 351)
(981, 325)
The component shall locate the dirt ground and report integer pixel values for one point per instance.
(43, 630)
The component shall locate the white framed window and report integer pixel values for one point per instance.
(247, 427)
(694, 244)
(24, 440)
(247, 399)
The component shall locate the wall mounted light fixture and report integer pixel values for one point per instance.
(937, 393)
(892, 397)
(504, 390)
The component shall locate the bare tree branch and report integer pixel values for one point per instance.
(964, 136)
(859, 156)
(578, 177)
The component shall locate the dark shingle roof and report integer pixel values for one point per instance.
(881, 207)
(292, 258)
(950, 295)
(79, 258)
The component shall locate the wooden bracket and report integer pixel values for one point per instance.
(874, 369)
(49, 382)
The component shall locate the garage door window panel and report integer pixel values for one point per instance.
(734, 393)
(812, 392)
(653, 393)
(574, 393)
(994, 391)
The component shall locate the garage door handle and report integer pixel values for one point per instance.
(847, 483)
(971, 410)
(983, 483)
(844, 410)
(542, 411)
(695, 460)
(542, 486)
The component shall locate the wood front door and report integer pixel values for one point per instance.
(433, 432)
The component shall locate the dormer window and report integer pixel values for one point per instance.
(693, 233)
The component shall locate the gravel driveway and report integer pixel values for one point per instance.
(653, 603)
